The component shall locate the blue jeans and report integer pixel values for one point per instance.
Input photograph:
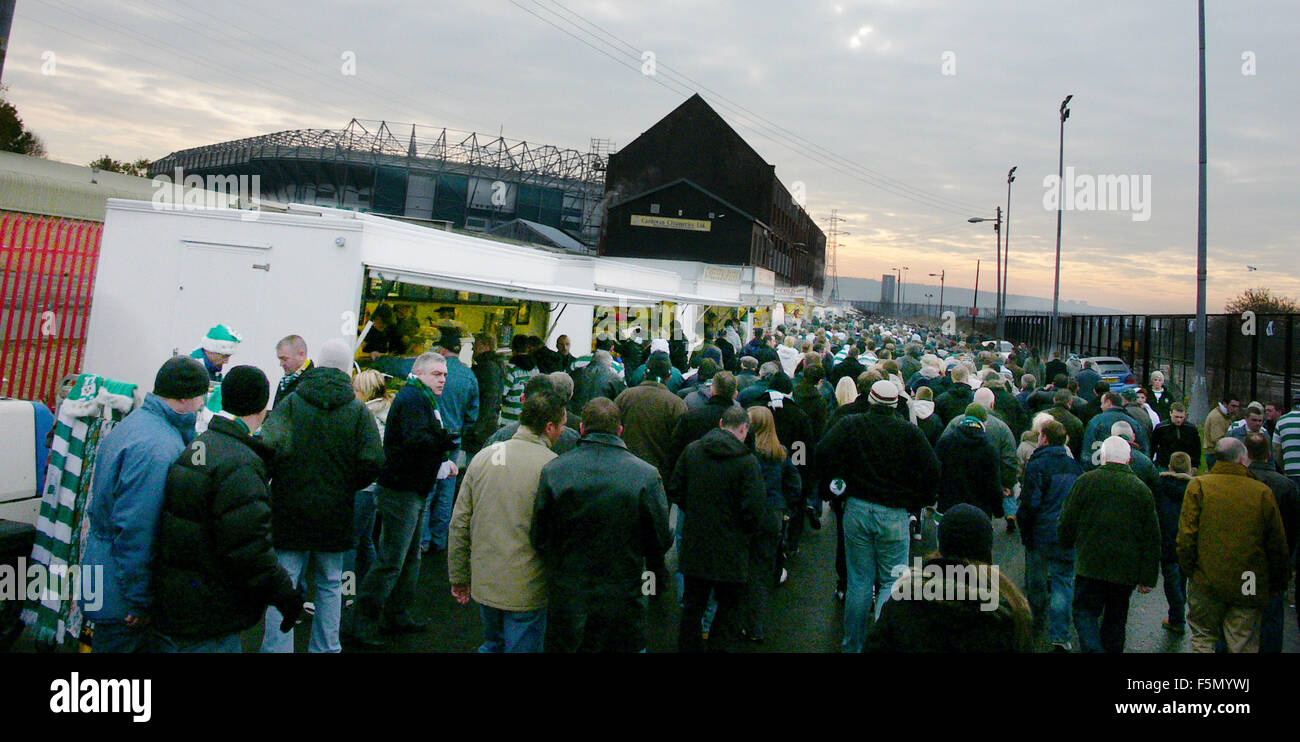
(1010, 506)
(512, 631)
(876, 540)
(1049, 582)
(115, 637)
(358, 560)
(228, 644)
(390, 585)
(1101, 614)
(327, 576)
(438, 503)
(1175, 585)
(711, 611)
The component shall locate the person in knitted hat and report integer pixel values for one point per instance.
(216, 569)
(130, 475)
(217, 347)
(966, 533)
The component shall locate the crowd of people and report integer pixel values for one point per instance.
(565, 492)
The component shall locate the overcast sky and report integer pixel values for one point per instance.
(905, 116)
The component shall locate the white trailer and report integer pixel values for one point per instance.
(167, 275)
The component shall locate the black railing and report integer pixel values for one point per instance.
(1248, 357)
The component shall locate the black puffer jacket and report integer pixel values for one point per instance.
(953, 402)
(969, 471)
(326, 447)
(719, 486)
(214, 570)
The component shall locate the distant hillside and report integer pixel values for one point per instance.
(866, 289)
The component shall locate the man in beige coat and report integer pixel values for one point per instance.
(489, 555)
(1232, 546)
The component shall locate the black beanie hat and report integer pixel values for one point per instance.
(244, 391)
(181, 377)
(966, 533)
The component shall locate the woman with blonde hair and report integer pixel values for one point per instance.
(784, 490)
(371, 389)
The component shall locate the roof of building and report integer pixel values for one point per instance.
(557, 237)
(34, 185)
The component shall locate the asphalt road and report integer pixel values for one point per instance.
(805, 616)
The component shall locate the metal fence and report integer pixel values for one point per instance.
(1247, 357)
(46, 285)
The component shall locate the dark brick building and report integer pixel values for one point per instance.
(690, 188)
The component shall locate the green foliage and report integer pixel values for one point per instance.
(1261, 301)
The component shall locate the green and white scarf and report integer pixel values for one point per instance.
(90, 411)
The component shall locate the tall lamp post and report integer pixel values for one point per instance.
(1006, 258)
(1060, 177)
(1200, 402)
(939, 275)
(898, 285)
(997, 227)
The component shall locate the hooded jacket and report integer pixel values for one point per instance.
(952, 403)
(1049, 476)
(325, 446)
(216, 571)
(719, 487)
(968, 471)
(130, 476)
(928, 420)
(1169, 506)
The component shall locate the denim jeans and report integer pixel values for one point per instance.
(711, 611)
(115, 637)
(876, 540)
(389, 587)
(438, 504)
(726, 628)
(358, 560)
(1101, 614)
(512, 631)
(1010, 506)
(1175, 586)
(228, 644)
(327, 578)
(1049, 583)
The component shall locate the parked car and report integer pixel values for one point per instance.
(1115, 371)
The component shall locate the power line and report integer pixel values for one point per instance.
(718, 96)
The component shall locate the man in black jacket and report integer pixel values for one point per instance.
(415, 456)
(953, 402)
(600, 526)
(886, 469)
(326, 447)
(1173, 436)
(968, 469)
(719, 486)
(215, 570)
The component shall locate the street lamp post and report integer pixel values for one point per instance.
(1060, 178)
(997, 227)
(898, 290)
(1006, 258)
(939, 275)
(1200, 402)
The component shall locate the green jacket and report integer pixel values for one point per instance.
(1109, 519)
(1230, 527)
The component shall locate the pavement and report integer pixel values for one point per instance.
(804, 617)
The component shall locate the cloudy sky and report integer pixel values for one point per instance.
(903, 115)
